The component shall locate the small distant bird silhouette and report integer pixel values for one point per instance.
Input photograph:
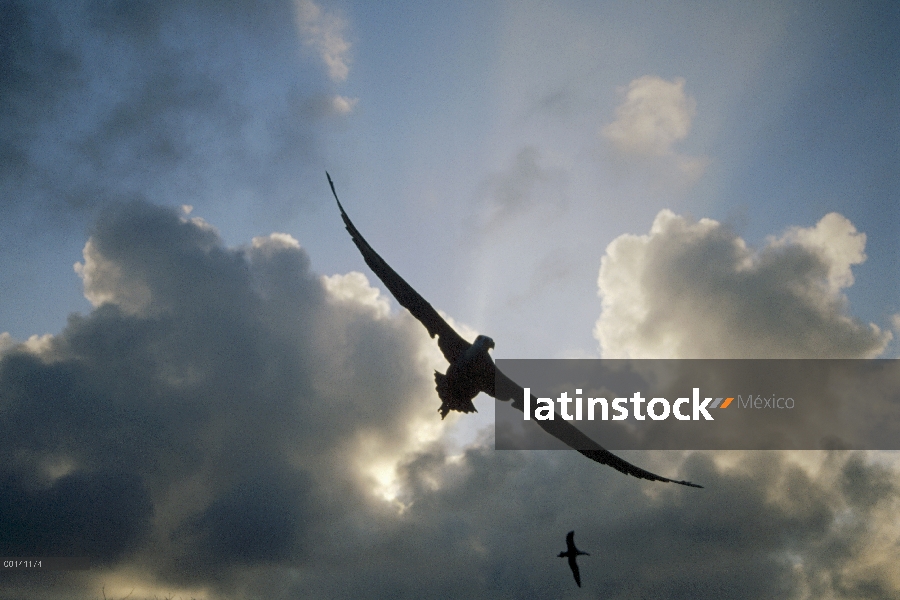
(571, 553)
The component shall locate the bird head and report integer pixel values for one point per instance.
(483, 342)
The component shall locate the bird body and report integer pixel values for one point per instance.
(466, 378)
(472, 370)
(572, 553)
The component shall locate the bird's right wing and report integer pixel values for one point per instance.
(506, 389)
(452, 345)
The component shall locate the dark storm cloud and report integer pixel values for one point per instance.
(763, 529)
(260, 519)
(221, 410)
(865, 485)
(216, 380)
(100, 515)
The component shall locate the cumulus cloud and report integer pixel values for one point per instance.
(164, 398)
(654, 115)
(248, 428)
(324, 32)
(696, 290)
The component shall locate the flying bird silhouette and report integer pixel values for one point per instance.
(471, 368)
(572, 553)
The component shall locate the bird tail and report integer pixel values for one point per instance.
(448, 400)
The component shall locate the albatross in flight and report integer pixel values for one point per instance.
(471, 368)
(572, 553)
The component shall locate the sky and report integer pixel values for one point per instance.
(204, 388)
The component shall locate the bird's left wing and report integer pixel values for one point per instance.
(452, 345)
(506, 389)
(573, 564)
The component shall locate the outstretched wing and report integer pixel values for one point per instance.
(506, 389)
(570, 541)
(451, 343)
(574, 565)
